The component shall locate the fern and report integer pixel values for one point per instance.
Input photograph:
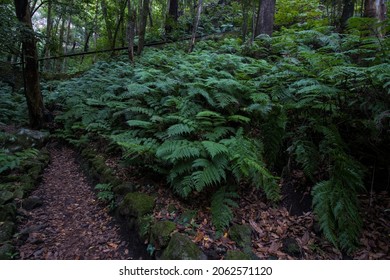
(221, 213)
(10, 161)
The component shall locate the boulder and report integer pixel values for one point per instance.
(291, 247)
(180, 247)
(32, 202)
(160, 233)
(32, 138)
(241, 234)
(124, 188)
(237, 255)
(136, 204)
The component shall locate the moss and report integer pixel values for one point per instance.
(171, 208)
(241, 234)
(5, 196)
(124, 188)
(160, 233)
(7, 229)
(187, 216)
(137, 204)
(7, 212)
(180, 247)
(237, 255)
(6, 252)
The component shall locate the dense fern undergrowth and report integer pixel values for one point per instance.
(230, 116)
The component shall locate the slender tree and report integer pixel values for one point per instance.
(31, 74)
(195, 26)
(131, 30)
(142, 25)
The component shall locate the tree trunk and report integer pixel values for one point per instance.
(265, 17)
(195, 27)
(31, 74)
(375, 9)
(131, 30)
(119, 22)
(245, 5)
(103, 4)
(49, 26)
(60, 50)
(348, 10)
(142, 28)
(172, 17)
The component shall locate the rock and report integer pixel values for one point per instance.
(124, 188)
(237, 255)
(291, 247)
(32, 202)
(143, 225)
(6, 251)
(5, 196)
(32, 138)
(7, 212)
(187, 216)
(160, 233)
(6, 231)
(241, 234)
(136, 204)
(181, 247)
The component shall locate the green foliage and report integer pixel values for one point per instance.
(106, 194)
(213, 118)
(221, 203)
(12, 160)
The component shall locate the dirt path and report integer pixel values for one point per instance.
(71, 223)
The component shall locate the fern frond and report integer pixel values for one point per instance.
(221, 212)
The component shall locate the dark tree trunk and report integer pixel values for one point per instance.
(172, 17)
(265, 17)
(31, 74)
(245, 5)
(142, 26)
(195, 27)
(119, 23)
(131, 30)
(348, 10)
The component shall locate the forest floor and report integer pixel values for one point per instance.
(71, 223)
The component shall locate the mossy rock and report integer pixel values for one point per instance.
(124, 188)
(160, 233)
(180, 247)
(7, 212)
(5, 196)
(187, 216)
(291, 247)
(6, 251)
(136, 204)
(241, 234)
(237, 255)
(7, 229)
